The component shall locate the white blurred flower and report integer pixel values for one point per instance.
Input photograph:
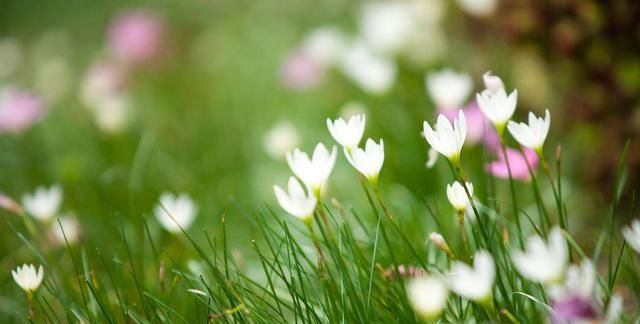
(43, 204)
(70, 229)
(387, 25)
(534, 134)
(103, 79)
(54, 78)
(111, 114)
(372, 72)
(10, 56)
(631, 234)
(352, 108)
(478, 8)
(497, 107)
(449, 89)
(315, 171)
(580, 282)
(457, 195)
(492, 83)
(348, 134)
(614, 309)
(280, 139)
(428, 296)
(368, 161)
(446, 138)
(432, 158)
(325, 44)
(474, 283)
(27, 277)
(543, 262)
(175, 212)
(441, 243)
(296, 202)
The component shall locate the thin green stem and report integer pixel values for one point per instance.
(512, 188)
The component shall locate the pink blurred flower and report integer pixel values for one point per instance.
(136, 36)
(9, 204)
(519, 169)
(301, 71)
(19, 109)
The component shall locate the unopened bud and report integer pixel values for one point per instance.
(441, 243)
(492, 83)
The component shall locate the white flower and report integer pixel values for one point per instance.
(325, 44)
(372, 72)
(543, 263)
(492, 83)
(387, 25)
(280, 139)
(474, 283)
(446, 138)
(296, 202)
(479, 8)
(27, 278)
(347, 134)
(457, 195)
(449, 89)
(614, 309)
(112, 113)
(631, 234)
(432, 158)
(314, 171)
(44, 203)
(175, 212)
(580, 282)
(534, 134)
(497, 107)
(68, 227)
(368, 161)
(428, 296)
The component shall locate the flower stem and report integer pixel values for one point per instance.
(463, 231)
(512, 188)
(544, 215)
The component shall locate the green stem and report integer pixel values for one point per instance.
(547, 171)
(544, 215)
(512, 188)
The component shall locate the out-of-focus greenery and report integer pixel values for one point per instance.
(200, 117)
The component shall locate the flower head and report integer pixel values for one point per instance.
(517, 164)
(428, 296)
(296, 202)
(449, 89)
(497, 106)
(533, 135)
(631, 234)
(300, 71)
(27, 277)
(280, 139)
(19, 109)
(474, 283)
(447, 139)
(175, 212)
(348, 134)
(368, 161)
(372, 72)
(458, 196)
(44, 203)
(543, 262)
(492, 83)
(313, 172)
(136, 36)
(67, 231)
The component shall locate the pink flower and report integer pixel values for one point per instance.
(136, 36)
(19, 109)
(519, 169)
(301, 71)
(478, 127)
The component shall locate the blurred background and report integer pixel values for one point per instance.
(118, 102)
